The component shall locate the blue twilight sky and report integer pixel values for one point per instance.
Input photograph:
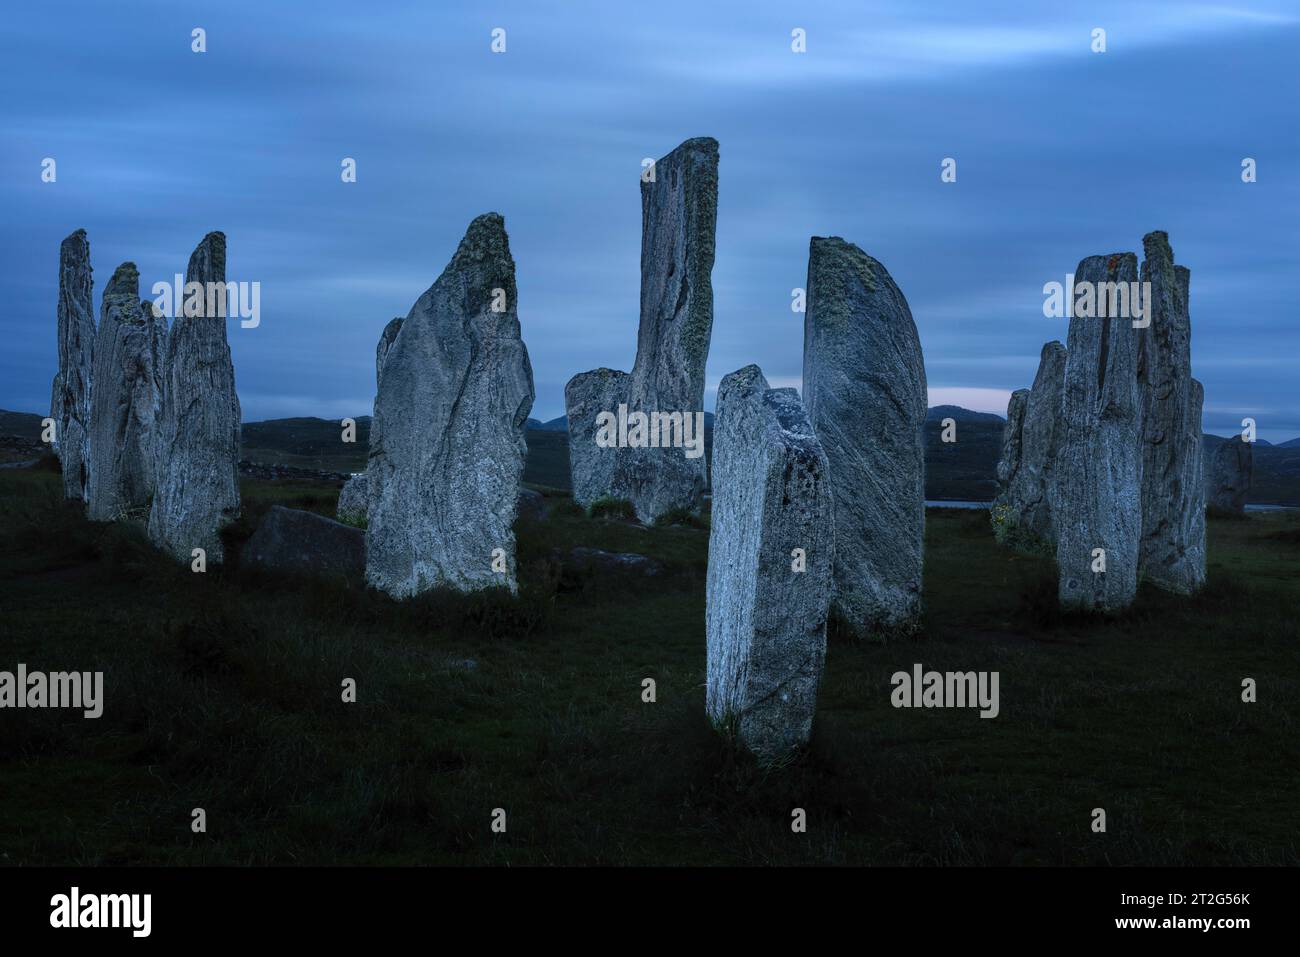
(1061, 153)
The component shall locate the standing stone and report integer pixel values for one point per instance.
(1012, 448)
(1229, 468)
(864, 386)
(125, 403)
(354, 500)
(1099, 469)
(770, 560)
(197, 435)
(447, 440)
(1172, 554)
(1026, 476)
(385, 343)
(679, 211)
(70, 398)
(591, 467)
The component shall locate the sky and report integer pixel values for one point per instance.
(1061, 153)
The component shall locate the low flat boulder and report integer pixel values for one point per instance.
(614, 561)
(304, 543)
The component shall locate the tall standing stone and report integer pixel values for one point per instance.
(1098, 506)
(447, 440)
(679, 212)
(1026, 470)
(197, 433)
(864, 386)
(70, 395)
(1229, 469)
(1172, 554)
(770, 558)
(126, 400)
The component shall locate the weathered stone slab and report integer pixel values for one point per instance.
(865, 390)
(771, 551)
(70, 394)
(196, 453)
(679, 207)
(126, 400)
(591, 466)
(1229, 469)
(304, 543)
(447, 439)
(1098, 505)
(1172, 554)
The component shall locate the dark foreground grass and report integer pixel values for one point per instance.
(223, 692)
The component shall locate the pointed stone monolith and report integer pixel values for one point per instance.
(771, 550)
(1026, 470)
(679, 210)
(196, 453)
(125, 403)
(1098, 503)
(70, 394)
(1229, 469)
(1012, 435)
(865, 390)
(447, 439)
(1172, 554)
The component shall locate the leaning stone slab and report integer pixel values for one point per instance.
(196, 455)
(1229, 469)
(679, 210)
(70, 394)
(865, 390)
(447, 439)
(125, 402)
(1098, 507)
(770, 565)
(304, 543)
(1172, 554)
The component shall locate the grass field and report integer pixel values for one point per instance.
(223, 692)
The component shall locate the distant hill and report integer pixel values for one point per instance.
(562, 423)
(308, 443)
(1290, 444)
(937, 413)
(26, 425)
